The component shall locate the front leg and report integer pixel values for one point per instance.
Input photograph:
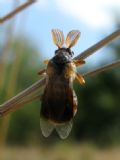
(78, 62)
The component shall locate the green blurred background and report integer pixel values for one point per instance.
(96, 125)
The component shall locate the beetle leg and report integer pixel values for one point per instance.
(80, 79)
(46, 61)
(78, 62)
(42, 72)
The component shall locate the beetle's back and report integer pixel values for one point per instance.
(57, 102)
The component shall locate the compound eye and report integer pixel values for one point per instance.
(56, 51)
(70, 52)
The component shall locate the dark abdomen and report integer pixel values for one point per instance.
(57, 102)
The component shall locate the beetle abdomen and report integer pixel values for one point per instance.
(57, 102)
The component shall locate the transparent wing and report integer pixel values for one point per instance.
(46, 127)
(58, 37)
(72, 38)
(64, 129)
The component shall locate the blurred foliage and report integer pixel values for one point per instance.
(23, 122)
(98, 117)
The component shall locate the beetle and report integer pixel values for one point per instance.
(62, 124)
(59, 101)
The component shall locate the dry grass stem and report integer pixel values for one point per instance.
(16, 11)
(10, 104)
(103, 68)
(7, 110)
(98, 45)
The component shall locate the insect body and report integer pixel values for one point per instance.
(59, 102)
